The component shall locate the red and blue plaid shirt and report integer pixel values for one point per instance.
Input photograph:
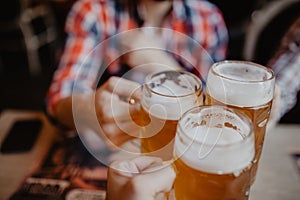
(286, 65)
(94, 22)
(287, 71)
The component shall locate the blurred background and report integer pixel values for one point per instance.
(32, 38)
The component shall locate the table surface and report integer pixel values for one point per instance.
(14, 168)
(278, 176)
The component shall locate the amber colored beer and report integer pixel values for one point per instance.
(166, 96)
(192, 184)
(214, 147)
(162, 141)
(259, 116)
(247, 87)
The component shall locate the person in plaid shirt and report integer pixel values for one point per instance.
(285, 64)
(193, 36)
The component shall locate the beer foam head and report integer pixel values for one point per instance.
(169, 94)
(239, 83)
(215, 140)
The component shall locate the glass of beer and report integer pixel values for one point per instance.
(166, 96)
(248, 87)
(213, 152)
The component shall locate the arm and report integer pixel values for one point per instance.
(104, 112)
(73, 99)
(285, 64)
(76, 74)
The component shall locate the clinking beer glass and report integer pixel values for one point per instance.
(247, 87)
(166, 96)
(213, 152)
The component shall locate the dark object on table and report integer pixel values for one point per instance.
(22, 136)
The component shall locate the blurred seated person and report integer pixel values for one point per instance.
(139, 178)
(286, 65)
(93, 22)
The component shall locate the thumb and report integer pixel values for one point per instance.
(159, 180)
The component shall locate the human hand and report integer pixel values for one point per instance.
(140, 178)
(275, 110)
(118, 109)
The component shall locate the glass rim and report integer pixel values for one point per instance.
(197, 79)
(240, 114)
(217, 64)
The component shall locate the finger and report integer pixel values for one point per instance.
(123, 111)
(132, 167)
(125, 168)
(275, 105)
(152, 185)
(123, 176)
(114, 129)
(103, 101)
(123, 87)
(116, 142)
(163, 179)
(121, 133)
(145, 162)
(110, 108)
(118, 179)
(106, 96)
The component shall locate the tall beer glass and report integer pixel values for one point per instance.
(213, 151)
(245, 86)
(166, 96)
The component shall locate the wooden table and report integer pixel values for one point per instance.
(277, 176)
(16, 166)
